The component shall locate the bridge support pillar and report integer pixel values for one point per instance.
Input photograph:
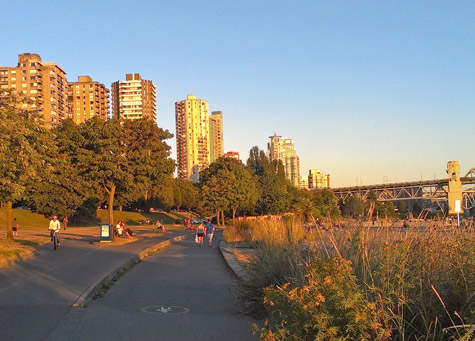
(455, 187)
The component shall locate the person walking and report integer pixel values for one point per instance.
(200, 233)
(54, 226)
(15, 227)
(209, 231)
(65, 223)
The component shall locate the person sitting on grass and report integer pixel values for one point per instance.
(160, 227)
(118, 229)
(128, 232)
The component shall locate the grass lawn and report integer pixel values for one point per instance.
(134, 218)
(19, 247)
(26, 242)
(25, 218)
(30, 220)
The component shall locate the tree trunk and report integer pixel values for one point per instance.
(222, 218)
(120, 208)
(9, 220)
(111, 209)
(217, 217)
(234, 215)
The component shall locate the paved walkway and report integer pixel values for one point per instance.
(184, 292)
(36, 294)
(43, 298)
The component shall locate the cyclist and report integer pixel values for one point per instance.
(54, 226)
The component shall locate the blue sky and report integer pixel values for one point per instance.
(370, 91)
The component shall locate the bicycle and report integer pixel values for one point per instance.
(54, 238)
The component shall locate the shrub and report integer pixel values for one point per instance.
(361, 283)
(329, 305)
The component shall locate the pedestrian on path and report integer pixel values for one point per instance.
(15, 227)
(209, 231)
(200, 233)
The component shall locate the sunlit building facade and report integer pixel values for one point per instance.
(303, 184)
(134, 98)
(43, 84)
(317, 180)
(216, 135)
(232, 155)
(192, 137)
(283, 149)
(86, 99)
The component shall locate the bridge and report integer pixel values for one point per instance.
(433, 190)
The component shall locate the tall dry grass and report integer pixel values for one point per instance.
(384, 283)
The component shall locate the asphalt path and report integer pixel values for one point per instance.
(36, 295)
(185, 292)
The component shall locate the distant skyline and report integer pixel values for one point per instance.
(369, 91)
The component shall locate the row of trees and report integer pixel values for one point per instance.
(58, 171)
(258, 188)
(70, 170)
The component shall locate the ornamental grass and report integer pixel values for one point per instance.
(360, 283)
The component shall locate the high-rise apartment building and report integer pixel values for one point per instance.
(316, 179)
(134, 98)
(283, 149)
(44, 84)
(303, 184)
(216, 135)
(192, 137)
(87, 99)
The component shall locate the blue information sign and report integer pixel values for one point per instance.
(106, 233)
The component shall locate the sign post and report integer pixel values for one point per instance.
(457, 209)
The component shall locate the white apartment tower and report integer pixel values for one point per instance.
(283, 149)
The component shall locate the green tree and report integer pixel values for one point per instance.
(326, 204)
(274, 197)
(60, 189)
(370, 204)
(228, 184)
(353, 207)
(123, 159)
(188, 193)
(24, 148)
(402, 207)
(150, 155)
(301, 202)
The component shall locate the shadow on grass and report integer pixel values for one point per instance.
(30, 243)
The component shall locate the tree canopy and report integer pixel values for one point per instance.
(227, 184)
(24, 149)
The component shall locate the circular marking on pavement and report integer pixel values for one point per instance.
(165, 309)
